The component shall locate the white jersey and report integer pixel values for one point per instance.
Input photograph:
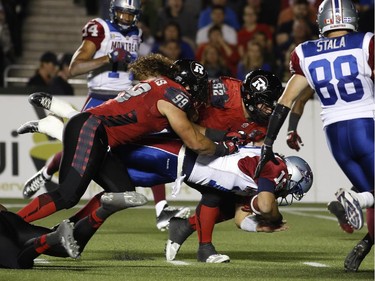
(340, 70)
(106, 37)
(224, 173)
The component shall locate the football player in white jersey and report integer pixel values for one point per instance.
(339, 67)
(106, 49)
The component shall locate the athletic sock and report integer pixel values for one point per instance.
(42, 206)
(205, 222)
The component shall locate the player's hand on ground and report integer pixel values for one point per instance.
(272, 228)
(294, 141)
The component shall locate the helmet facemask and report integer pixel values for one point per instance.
(260, 91)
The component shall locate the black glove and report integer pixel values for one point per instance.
(294, 140)
(266, 155)
(226, 148)
(120, 55)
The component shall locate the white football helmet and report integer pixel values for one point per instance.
(128, 6)
(300, 179)
(337, 14)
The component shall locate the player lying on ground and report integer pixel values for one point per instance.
(22, 242)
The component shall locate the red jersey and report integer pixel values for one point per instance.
(226, 111)
(128, 120)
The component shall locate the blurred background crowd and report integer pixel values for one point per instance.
(229, 37)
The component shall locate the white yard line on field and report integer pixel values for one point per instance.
(315, 264)
(178, 262)
(41, 261)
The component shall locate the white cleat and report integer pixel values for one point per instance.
(162, 221)
(116, 201)
(171, 250)
(218, 258)
(352, 208)
(65, 231)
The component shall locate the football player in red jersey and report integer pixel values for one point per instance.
(158, 103)
(234, 105)
(108, 45)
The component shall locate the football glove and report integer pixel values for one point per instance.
(120, 55)
(265, 156)
(294, 141)
(226, 148)
(239, 137)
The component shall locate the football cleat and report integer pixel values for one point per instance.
(352, 208)
(35, 183)
(116, 201)
(179, 231)
(57, 106)
(65, 232)
(29, 127)
(41, 99)
(208, 254)
(162, 221)
(335, 208)
(356, 256)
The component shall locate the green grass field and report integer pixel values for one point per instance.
(129, 247)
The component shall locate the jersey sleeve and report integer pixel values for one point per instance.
(178, 98)
(94, 32)
(274, 174)
(371, 56)
(294, 65)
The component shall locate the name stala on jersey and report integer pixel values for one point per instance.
(335, 43)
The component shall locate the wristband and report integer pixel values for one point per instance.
(255, 211)
(293, 121)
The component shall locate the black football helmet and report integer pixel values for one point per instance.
(260, 91)
(193, 76)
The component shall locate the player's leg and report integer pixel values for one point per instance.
(52, 103)
(356, 159)
(75, 172)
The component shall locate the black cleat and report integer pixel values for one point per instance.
(356, 256)
(208, 254)
(162, 221)
(41, 99)
(29, 127)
